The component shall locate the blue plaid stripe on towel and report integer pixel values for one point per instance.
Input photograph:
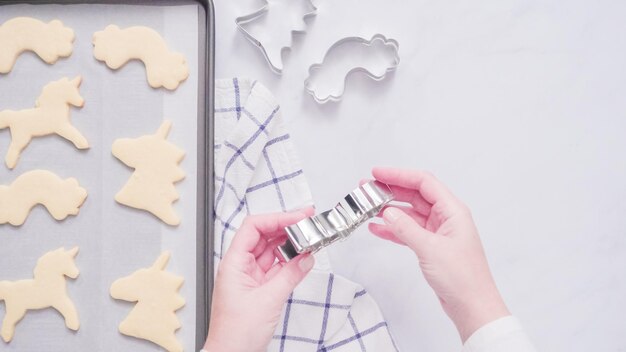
(257, 171)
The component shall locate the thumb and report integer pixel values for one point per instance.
(407, 230)
(289, 276)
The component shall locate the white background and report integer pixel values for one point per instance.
(519, 106)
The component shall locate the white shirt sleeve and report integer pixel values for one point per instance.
(501, 335)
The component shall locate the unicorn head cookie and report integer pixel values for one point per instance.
(155, 161)
(154, 316)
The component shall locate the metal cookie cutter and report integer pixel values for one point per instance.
(275, 26)
(319, 231)
(375, 57)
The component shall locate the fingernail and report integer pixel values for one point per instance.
(391, 215)
(306, 263)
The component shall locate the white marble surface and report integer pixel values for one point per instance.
(518, 105)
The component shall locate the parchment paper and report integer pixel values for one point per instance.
(114, 240)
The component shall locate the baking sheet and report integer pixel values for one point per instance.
(114, 240)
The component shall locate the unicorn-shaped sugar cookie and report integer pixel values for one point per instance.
(51, 115)
(155, 160)
(48, 40)
(60, 197)
(47, 290)
(154, 316)
(116, 47)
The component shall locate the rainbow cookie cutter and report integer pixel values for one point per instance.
(320, 231)
(375, 57)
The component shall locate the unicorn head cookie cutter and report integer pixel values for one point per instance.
(274, 35)
(319, 231)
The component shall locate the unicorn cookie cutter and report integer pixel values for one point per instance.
(319, 231)
(376, 58)
(263, 37)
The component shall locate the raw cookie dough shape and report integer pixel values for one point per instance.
(47, 290)
(48, 40)
(155, 160)
(116, 47)
(60, 197)
(51, 115)
(154, 316)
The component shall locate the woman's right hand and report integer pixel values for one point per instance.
(439, 228)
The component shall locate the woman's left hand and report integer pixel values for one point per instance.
(251, 288)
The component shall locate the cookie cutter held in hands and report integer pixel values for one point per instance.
(319, 231)
(274, 58)
(375, 57)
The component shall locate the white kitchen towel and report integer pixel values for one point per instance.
(257, 171)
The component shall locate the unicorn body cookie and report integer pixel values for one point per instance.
(48, 40)
(60, 197)
(116, 47)
(47, 290)
(51, 115)
(154, 316)
(155, 160)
